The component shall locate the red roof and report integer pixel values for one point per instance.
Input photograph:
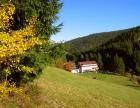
(87, 62)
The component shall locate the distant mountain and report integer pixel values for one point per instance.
(92, 41)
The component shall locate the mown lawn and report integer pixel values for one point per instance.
(56, 88)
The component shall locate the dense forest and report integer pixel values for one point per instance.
(121, 53)
(89, 42)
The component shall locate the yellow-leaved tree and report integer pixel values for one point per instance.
(14, 43)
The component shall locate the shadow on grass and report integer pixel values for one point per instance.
(134, 86)
(110, 73)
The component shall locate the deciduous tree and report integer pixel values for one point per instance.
(14, 43)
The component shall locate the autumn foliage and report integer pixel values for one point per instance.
(14, 43)
(68, 66)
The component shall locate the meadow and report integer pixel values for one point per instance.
(57, 88)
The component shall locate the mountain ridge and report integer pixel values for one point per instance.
(86, 43)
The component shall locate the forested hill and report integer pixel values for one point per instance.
(120, 53)
(125, 47)
(89, 42)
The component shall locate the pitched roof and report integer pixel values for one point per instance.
(87, 62)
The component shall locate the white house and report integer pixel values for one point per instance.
(88, 66)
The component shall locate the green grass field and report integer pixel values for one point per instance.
(116, 79)
(56, 88)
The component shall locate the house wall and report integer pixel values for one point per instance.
(89, 67)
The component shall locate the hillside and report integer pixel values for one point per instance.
(125, 46)
(120, 53)
(61, 89)
(89, 42)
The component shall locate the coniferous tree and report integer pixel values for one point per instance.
(22, 33)
(45, 11)
(91, 55)
(86, 57)
(136, 59)
(95, 57)
(82, 58)
(99, 60)
(119, 65)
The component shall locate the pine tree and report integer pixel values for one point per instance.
(99, 60)
(136, 59)
(23, 26)
(119, 65)
(86, 57)
(45, 12)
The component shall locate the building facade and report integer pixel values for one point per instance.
(87, 66)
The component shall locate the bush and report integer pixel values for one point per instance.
(135, 79)
(8, 89)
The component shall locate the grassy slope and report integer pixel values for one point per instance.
(116, 79)
(65, 90)
(56, 88)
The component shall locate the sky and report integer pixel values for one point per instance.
(84, 17)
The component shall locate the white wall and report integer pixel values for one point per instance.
(89, 67)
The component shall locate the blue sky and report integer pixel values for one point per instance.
(84, 17)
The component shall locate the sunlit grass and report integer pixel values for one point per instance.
(57, 88)
(70, 90)
(116, 79)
